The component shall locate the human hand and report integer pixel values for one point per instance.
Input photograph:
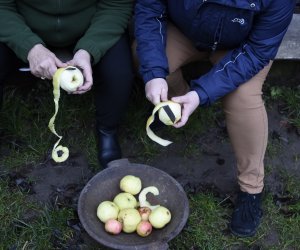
(82, 60)
(42, 62)
(156, 90)
(189, 103)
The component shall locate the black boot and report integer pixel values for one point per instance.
(109, 148)
(247, 215)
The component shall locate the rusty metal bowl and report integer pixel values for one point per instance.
(105, 186)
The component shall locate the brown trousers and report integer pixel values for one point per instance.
(246, 117)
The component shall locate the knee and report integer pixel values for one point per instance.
(244, 97)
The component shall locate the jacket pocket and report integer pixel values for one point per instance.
(236, 27)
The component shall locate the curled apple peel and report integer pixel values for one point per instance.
(169, 113)
(143, 197)
(69, 78)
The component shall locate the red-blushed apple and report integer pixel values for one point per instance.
(144, 228)
(113, 226)
(144, 212)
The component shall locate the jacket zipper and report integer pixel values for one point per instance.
(217, 35)
(58, 19)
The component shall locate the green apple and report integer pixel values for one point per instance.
(125, 200)
(159, 217)
(130, 218)
(107, 210)
(131, 184)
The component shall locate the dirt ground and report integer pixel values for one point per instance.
(61, 184)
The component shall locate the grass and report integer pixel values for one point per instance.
(18, 232)
(26, 141)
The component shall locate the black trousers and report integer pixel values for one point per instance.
(113, 78)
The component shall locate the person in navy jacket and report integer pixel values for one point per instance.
(240, 39)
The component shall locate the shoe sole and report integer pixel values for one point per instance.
(242, 235)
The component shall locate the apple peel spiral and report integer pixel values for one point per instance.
(169, 113)
(69, 79)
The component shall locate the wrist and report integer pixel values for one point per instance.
(33, 49)
(84, 53)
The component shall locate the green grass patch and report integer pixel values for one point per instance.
(16, 232)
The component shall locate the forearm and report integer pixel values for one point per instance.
(14, 32)
(150, 33)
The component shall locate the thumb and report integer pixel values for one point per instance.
(60, 64)
(179, 99)
(164, 94)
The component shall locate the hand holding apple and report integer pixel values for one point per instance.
(82, 60)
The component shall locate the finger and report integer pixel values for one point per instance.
(80, 92)
(182, 121)
(179, 99)
(59, 63)
(155, 99)
(51, 71)
(164, 94)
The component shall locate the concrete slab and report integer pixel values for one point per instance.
(290, 46)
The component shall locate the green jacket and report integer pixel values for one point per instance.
(91, 25)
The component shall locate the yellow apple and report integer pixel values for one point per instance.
(159, 217)
(107, 210)
(130, 218)
(125, 200)
(131, 184)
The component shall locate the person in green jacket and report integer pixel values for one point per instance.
(95, 34)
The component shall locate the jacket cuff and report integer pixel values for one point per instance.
(157, 73)
(92, 49)
(27, 45)
(204, 99)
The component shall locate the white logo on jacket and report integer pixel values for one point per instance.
(238, 20)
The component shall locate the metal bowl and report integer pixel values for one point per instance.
(105, 186)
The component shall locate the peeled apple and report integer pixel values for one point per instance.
(131, 184)
(69, 78)
(107, 210)
(143, 197)
(169, 113)
(159, 217)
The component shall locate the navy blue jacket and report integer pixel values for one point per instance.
(251, 31)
